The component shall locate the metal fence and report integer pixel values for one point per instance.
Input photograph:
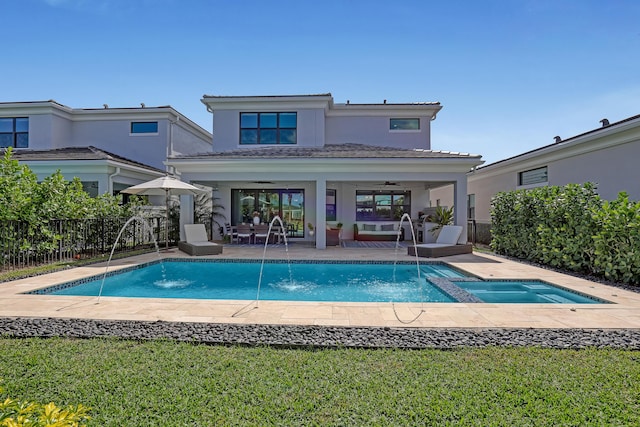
(25, 244)
(478, 232)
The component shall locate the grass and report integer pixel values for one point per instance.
(163, 383)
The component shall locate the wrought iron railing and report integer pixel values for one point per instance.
(24, 244)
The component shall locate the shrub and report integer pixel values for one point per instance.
(15, 413)
(569, 228)
(617, 240)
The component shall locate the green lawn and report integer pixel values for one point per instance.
(162, 383)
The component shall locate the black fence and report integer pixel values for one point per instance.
(25, 244)
(478, 232)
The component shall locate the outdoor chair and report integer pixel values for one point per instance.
(260, 231)
(446, 244)
(244, 232)
(197, 242)
(228, 231)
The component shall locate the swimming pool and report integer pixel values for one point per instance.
(330, 281)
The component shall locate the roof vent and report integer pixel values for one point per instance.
(384, 102)
(557, 138)
(605, 122)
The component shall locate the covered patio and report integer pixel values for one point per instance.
(342, 183)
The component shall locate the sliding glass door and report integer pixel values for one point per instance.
(288, 204)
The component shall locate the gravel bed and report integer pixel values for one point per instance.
(292, 336)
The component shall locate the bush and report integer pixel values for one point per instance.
(617, 240)
(14, 413)
(569, 228)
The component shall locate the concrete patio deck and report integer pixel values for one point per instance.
(623, 313)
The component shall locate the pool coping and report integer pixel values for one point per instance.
(623, 313)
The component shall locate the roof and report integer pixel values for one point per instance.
(562, 143)
(350, 151)
(75, 153)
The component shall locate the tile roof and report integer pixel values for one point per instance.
(75, 153)
(329, 151)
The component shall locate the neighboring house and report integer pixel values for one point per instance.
(99, 171)
(607, 156)
(310, 160)
(109, 149)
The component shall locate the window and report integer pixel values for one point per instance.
(382, 205)
(90, 187)
(331, 205)
(287, 204)
(471, 206)
(144, 127)
(268, 128)
(404, 124)
(533, 176)
(14, 132)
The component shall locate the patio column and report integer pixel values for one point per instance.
(460, 202)
(321, 213)
(186, 212)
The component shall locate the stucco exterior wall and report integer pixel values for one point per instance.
(614, 169)
(114, 136)
(372, 130)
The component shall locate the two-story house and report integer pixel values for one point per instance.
(312, 161)
(109, 149)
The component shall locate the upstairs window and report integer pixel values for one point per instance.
(144, 127)
(533, 176)
(268, 128)
(14, 132)
(404, 124)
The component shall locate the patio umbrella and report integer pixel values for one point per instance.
(163, 186)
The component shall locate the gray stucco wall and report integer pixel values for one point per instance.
(614, 169)
(375, 131)
(113, 136)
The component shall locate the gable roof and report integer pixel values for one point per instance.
(75, 153)
(343, 151)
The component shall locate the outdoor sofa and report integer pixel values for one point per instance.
(446, 244)
(363, 230)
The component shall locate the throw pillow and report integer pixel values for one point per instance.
(369, 227)
(388, 227)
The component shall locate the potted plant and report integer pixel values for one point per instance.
(433, 223)
(311, 230)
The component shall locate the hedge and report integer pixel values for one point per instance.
(571, 228)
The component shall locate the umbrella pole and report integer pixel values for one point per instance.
(166, 228)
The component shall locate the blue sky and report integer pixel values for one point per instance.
(510, 74)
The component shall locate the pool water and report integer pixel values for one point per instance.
(523, 292)
(339, 282)
(335, 281)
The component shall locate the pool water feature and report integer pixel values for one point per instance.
(330, 281)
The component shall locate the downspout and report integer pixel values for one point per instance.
(170, 142)
(110, 183)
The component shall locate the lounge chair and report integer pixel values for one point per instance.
(197, 242)
(446, 244)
